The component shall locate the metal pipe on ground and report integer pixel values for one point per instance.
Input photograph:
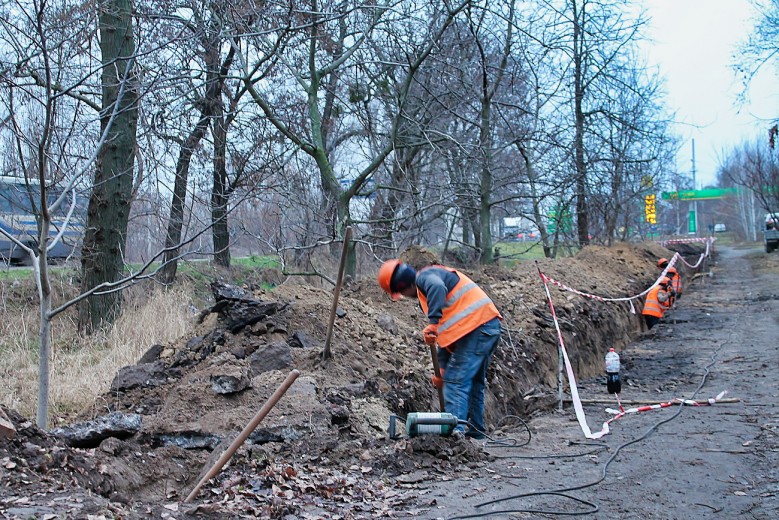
(248, 429)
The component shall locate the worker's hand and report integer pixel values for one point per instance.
(430, 334)
(438, 382)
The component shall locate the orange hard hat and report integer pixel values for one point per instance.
(672, 270)
(395, 276)
(386, 271)
(665, 281)
(662, 263)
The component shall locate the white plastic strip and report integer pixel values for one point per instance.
(577, 403)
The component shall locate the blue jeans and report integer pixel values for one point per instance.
(465, 374)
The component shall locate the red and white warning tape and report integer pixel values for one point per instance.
(671, 263)
(705, 254)
(686, 240)
(687, 402)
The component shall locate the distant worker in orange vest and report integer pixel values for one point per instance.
(658, 300)
(673, 274)
(464, 322)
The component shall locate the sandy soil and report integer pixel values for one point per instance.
(323, 451)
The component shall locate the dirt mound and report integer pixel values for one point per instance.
(33, 461)
(327, 437)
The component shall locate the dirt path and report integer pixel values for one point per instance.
(691, 462)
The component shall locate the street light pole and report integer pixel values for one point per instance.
(694, 187)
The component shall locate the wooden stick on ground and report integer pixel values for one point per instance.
(327, 353)
(437, 372)
(269, 404)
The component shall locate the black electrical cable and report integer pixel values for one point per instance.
(562, 491)
(508, 442)
(597, 449)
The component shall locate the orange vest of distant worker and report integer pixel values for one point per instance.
(467, 307)
(652, 305)
(676, 281)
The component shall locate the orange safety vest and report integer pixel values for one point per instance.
(653, 306)
(676, 281)
(467, 308)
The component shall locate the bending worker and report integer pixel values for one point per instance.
(658, 300)
(464, 322)
(673, 274)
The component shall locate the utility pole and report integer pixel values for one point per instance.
(694, 187)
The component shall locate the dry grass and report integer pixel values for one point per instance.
(82, 368)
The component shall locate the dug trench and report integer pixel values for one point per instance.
(323, 451)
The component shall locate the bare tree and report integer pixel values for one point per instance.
(593, 34)
(47, 106)
(755, 167)
(452, 108)
(634, 147)
(321, 50)
(491, 72)
(102, 254)
(44, 91)
(206, 32)
(762, 45)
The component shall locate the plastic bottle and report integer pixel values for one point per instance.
(613, 383)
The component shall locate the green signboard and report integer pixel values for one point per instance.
(563, 216)
(707, 194)
(692, 227)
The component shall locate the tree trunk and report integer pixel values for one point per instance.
(102, 252)
(485, 193)
(582, 216)
(471, 231)
(42, 415)
(44, 336)
(532, 178)
(219, 195)
(220, 192)
(176, 218)
(385, 212)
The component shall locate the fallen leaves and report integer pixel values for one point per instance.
(309, 491)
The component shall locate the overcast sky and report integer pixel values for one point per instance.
(694, 42)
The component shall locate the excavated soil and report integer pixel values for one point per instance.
(323, 450)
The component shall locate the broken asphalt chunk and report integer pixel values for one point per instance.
(89, 434)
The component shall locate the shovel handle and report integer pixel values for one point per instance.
(437, 372)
